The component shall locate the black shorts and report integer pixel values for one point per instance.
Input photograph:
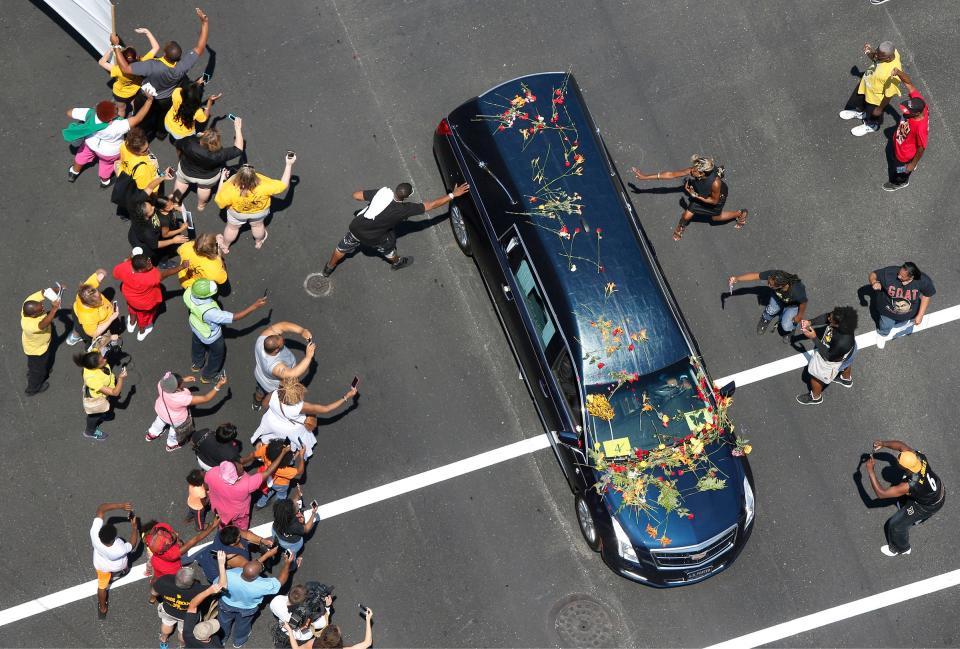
(349, 243)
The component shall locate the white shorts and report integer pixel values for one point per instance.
(199, 182)
(242, 218)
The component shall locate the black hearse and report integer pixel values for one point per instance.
(591, 321)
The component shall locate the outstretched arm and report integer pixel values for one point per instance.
(121, 61)
(204, 32)
(893, 444)
(458, 190)
(661, 175)
(746, 277)
(201, 535)
(320, 409)
(154, 45)
(104, 61)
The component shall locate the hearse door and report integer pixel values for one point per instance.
(534, 329)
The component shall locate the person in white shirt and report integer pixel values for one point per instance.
(110, 552)
(103, 133)
(282, 605)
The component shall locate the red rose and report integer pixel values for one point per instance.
(599, 230)
(558, 92)
(560, 100)
(680, 472)
(533, 199)
(525, 115)
(601, 269)
(566, 164)
(709, 408)
(660, 478)
(501, 127)
(532, 97)
(690, 517)
(630, 347)
(553, 120)
(576, 230)
(600, 366)
(639, 452)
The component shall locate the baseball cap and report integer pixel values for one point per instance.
(204, 287)
(913, 106)
(203, 630)
(909, 461)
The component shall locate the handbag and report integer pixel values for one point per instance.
(183, 430)
(94, 405)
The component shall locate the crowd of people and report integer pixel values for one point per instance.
(209, 593)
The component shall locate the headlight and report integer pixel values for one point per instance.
(624, 545)
(748, 502)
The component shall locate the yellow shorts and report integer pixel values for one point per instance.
(103, 579)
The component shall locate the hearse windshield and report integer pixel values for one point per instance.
(659, 408)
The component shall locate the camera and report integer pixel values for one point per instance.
(312, 609)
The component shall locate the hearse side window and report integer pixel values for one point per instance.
(562, 367)
(536, 308)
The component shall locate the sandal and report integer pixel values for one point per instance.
(678, 232)
(258, 244)
(742, 219)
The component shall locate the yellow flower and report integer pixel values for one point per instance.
(599, 407)
(643, 464)
(663, 446)
(596, 446)
(747, 449)
(696, 446)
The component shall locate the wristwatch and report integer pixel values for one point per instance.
(451, 196)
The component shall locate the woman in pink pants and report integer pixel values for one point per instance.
(103, 135)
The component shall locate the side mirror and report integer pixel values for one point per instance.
(568, 437)
(728, 389)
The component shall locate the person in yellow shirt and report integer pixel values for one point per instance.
(134, 150)
(875, 90)
(205, 261)
(185, 111)
(94, 313)
(126, 88)
(36, 326)
(98, 381)
(246, 197)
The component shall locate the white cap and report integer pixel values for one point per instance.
(136, 251)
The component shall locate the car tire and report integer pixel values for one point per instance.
(459, 228)
(588, 527)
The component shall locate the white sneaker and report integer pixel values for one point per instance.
(864, 129)
(890, 553)
(146, 332)
(881, 341)
(851, 114)
(131, 325)
(73, 339)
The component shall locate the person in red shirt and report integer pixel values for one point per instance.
(140, 285)
(910, 139)
(166, 548)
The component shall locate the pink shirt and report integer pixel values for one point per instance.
(232, 502)
(173, 408)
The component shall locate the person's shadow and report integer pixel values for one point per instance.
(890, 474)
(409, 227)
(239, 333)
(762, 294)
(280, 204)
(212, 408)
(868, 296)
(635, 189)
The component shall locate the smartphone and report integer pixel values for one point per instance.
(290, 555)
(355, 382)
(290, 153)
(116, 307)
(231, 117)
(314, 504)
(363, 609)
(309, 341)
(206, 77)
(131, 516)
(265, 291)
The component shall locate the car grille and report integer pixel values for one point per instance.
(693, 556)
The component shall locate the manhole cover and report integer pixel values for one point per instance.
(316, 285)
(581, 622)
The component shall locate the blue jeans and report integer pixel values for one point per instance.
(209, 357)
(885, 325)
(786, 314)
(279, 490)
(229, 616)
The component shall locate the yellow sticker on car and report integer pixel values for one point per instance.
(616, 447)
(697, 419)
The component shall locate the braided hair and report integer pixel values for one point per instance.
(783, 278)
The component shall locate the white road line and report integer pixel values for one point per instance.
(328, 510)
(842, 612)
(796, 361)
(475, 463)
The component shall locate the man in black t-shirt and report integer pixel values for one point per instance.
(833, 352)
(905, 295)
(373, 225)
(175, 593)
(788, 299)
(921, 495)
(197, 633)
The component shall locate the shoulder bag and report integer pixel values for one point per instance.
(183, 430)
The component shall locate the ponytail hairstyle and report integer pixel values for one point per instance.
(87, 360)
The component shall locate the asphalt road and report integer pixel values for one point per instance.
(487, 558)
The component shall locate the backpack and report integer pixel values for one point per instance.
(124, 187)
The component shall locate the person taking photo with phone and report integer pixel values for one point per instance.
(36, 333)
(330, 636)
(100, 387)
(274, 360)
(247, 196)
(173, 409)
(110, 553)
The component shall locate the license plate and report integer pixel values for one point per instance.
(700, 572)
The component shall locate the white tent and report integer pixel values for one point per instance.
(92, 19)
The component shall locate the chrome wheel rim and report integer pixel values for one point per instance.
(586, 521)
(459, 227)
